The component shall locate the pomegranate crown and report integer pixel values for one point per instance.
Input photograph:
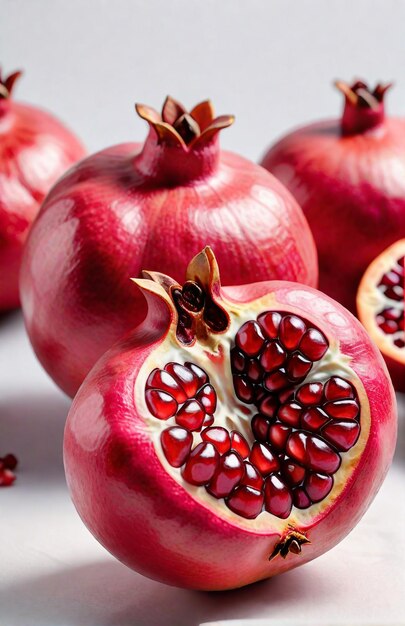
(364, 108)
(176, 126)
(7, 83)
(195, 306)
(360, 94)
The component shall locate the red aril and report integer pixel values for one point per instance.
(154, 206)
(380, 306)
(348, 176)
(254, 493)
(35, 150)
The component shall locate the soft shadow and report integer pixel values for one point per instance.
(109, 594)
(32, 425)
(400, 448)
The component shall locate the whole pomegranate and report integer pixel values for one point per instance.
(380, 305)
(349, 177)
(35, 149)
(235, 434)
(154, 206)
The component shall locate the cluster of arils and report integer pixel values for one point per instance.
(391, 318)
(299, 433)
(8, 464)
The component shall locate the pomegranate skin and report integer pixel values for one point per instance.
(154, 206)
(147, 520)
(348, 176)
(35, 149)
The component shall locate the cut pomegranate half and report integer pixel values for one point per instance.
(239, 432)
(381, 304)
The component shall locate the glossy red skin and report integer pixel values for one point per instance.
(148, 521)
(35, 150)
(352, 191)
(121, 211)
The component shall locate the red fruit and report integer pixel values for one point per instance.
(178, 505)
(347, 175)
(382, 311)
(35, 150)
(133, 207)
(191, 415)
(7, 477)
(176, 445)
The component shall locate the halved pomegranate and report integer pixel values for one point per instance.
(239, 432)
(380, 305)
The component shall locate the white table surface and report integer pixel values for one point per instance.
(52, 571)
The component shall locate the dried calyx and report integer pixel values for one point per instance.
(176, 126)
(364, 108)
(7, 84)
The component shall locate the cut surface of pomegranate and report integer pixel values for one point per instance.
(381, 304)
(232, 440)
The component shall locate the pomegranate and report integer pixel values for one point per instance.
(235, 434)
(155, 206)
(348, 176)
(7, 466)
(35, 149)
(380, 305)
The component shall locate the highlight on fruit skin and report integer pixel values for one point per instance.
(380, 306)
(154, 205)
(347, 174)
(35, 150)
(237, 433)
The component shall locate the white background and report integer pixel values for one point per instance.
(271, 63)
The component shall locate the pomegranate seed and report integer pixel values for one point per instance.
(297, 366)
(390, 279)
(297, 447)
(249, 338)
(392, 314)
(263, 459)
(268, 406)
(277, 497)
(208, 421)
(278, 435)
(338, 389)
(321, 457)
(314, 418)
(201, 464)
(202, 376)
(229, 474)
(311, 393)
(394, 293)
(185, 377)
(273, 356)
(345, 409)
(208, 398)
(291, 331)
(276, 381)
(389, 327)
(254, 371)
(191, 415)
(290, 414)
(10, 461)
(294, 474)
(318, 486)
(219, 437)
(239, 444)
(252, 478)
(270, 323)
(246, 501)
(238, 361)
(160, 379)
(160, 403)
(343, 435)
(243, 389)
(314, 344)
(7, 477)
(301, 500)
(176, 444)
(260, 427)
(286, 395)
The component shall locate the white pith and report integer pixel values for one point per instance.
(235, 415)
(371, 301)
